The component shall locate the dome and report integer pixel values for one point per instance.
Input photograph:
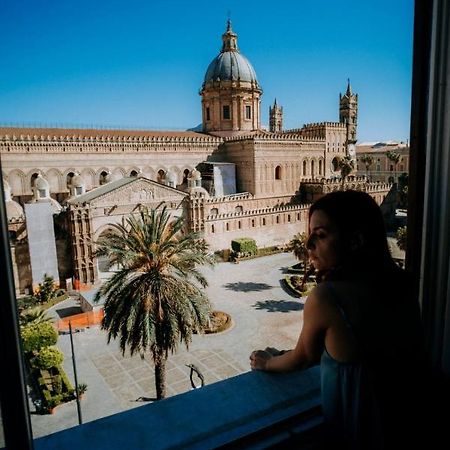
(229, 64)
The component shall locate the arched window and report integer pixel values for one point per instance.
(253, 222)
(212, 228)
(185, 175)
(238, 208)
(312, 168)
(278, 219)
(228, 226)
(264, 221)
(304, 168)
(69, 177)
(289, 217)
(133, 173)
(239, 224)
(214, 211)
(161, 176)
(103, 179)
(278, 173)
(320, 167)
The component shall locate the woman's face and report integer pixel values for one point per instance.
(323, 242)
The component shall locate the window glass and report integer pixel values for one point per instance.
(248, 112)
(226, 112)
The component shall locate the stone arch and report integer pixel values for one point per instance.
(313, 167)
(177, 171)
(185, 173)
(89, 178)
(16, 180)
(149, 173)
(118, 173)
(31, 175)
(100, 175)
(321, 172)
(161, 175)
(54, 178)
(134, 171)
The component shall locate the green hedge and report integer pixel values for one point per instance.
(48, 357)
(38, 335)
(244, 245)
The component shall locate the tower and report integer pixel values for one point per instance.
(348, 112)
(275, 117)
(230, 91)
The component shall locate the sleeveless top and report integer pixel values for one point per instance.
(349, 401)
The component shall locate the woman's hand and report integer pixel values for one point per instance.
(258, 359)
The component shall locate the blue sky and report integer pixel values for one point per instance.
(140, 64)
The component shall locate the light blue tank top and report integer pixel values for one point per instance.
(349, 401)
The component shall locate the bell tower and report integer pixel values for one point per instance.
(275, 118)
(348, 112)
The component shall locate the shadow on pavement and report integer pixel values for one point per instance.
(279, 305)
(241, 286)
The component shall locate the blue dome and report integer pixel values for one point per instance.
(230, 65)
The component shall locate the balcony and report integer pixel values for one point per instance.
(251, 410)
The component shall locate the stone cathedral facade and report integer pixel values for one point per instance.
(233, 179)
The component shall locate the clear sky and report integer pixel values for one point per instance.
(140, 64)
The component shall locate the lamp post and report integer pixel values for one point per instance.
(80, 420)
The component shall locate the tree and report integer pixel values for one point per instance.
(346, 166)
(297, 245)
(155, 300)
(47, 290)
(367, 160)
(394, 157)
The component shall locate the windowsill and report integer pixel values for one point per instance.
(209, 417)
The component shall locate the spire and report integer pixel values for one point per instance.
(229, 39)
(275, 102)
(349, 88)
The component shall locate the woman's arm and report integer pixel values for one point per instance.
(310, 343)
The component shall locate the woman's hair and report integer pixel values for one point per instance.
(362, 233)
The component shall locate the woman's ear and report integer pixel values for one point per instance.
(357, 241)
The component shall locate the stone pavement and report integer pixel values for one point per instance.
(263, 313)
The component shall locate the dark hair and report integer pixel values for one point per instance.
(355, 213)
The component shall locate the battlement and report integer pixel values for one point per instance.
(259, 211)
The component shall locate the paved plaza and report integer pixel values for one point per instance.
(264, 314)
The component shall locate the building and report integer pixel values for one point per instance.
(231, 180)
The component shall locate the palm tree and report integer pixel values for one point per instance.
(367, 160)
(297, 245)
(400, 235)
(155, 300)
(33, 316)
(393, 157)
(346, 165)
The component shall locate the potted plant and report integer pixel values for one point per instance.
(81, 389)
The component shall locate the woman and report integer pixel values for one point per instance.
(361, 323)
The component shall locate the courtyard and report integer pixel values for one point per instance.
(264, 314)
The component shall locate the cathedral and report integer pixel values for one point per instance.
(65, 187)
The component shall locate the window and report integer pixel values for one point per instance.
(161, 176)
(42, 193)
(226, 112)
(133, 173)
(214, 211)
(278, 173)
(253, 222)
(239, 224)
(320, 167)
(238, 209)
(208, 116)
(278, 219)
(78, 190)
(289, 218)
(227, 226)
(248, 112)
(264, 221)
(312, 168)
(304, 167)
(212, 228)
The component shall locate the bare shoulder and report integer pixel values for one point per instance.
(319, 303)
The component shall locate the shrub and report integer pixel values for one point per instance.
(47, 358)
(38, 335)
(244, 245)
(47, 290)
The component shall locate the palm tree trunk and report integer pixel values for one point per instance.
(160, 376)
